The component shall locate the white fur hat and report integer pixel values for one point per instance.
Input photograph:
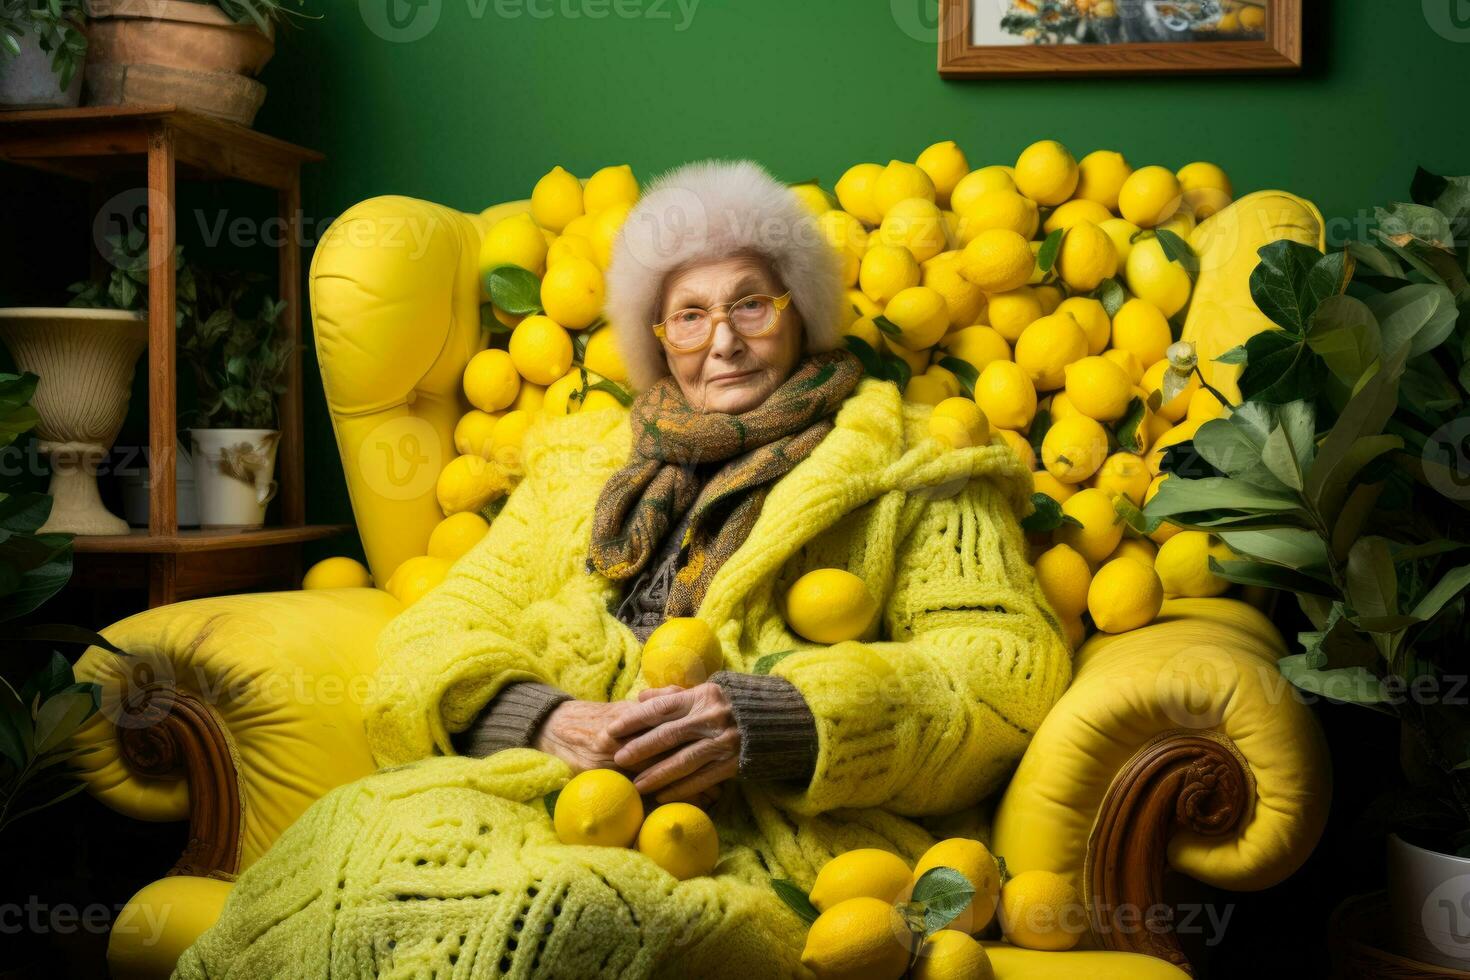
(712, 210)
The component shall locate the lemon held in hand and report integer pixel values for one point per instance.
(868, 872)
(682, 652)
(829, 605)
(598, 807)
(681, 839)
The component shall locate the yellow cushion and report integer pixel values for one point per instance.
(159, 923)
(1204, 665)
(1012, 963)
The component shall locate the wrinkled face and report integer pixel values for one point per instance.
(734, 373)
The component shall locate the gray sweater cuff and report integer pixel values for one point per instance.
(510, 720)
(778, 735)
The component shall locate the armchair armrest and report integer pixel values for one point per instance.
(234, 712)
(1177, 745)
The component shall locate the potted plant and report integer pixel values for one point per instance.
(238, 363)
(42, 47)
(1342, 478)
(199, 54)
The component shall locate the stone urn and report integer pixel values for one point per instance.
(84, 359)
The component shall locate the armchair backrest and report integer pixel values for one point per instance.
(395, 299)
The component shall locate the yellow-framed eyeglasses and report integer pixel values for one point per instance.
(693, 328)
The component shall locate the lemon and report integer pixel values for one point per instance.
(863, 305)
(1087, 257)
(1046, 172)
(867, 872)
(917, 360)
(931, 387)
(601, 401)
(605, 227)
(847, 235)
(855, 192)
(959, 422)
(1075, 630)
(1060, 406)
(1252, 18)
(1141, 328)
(580, 227)
(1098, 388)
(1046, 347)
(1165, 530)
(916, 224)
(506, 319)
(1064, 577)
(952, 955)
(1093, 318)
(951, 229)
(556, 200)
(1126, 360)
(415, 578)
(569, 246)
(1044, 482)
(1101, 529)
(1182, 224)
(1040, 910)
(1121, 232)
(1073, 448)
(829, 605)
(999, 208)
(1123, 474)
(1152, 276)
(1204, 405)
(516, 240)
(867, 331)
(1011, 312)
(1206, 188)
(1150, 196)
(682, 652)
(456, 534)
(530, 398)
(1018, 444)
(1050, 297)
(610, 187)
(973, 860)
(946, 166)
(505, 439)
(977, 346)
(540, 349)
(998, 260)
(964, 300)
(490, 380)
(1139, 549)
(1177, 407)
(886, 271)
(1125, 594)
(601, 355)
(681, 839)
(1074, 212)
(900, 181)
(921, 314)
(1006, 395)
(599, 807)
(572, 292)
(813, 198)
(469, 483)
(859, 939)
(337, 573)
(978, 182)
(1183, 564)
(1101, 176)
(473, 433)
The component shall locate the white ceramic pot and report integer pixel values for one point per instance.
(1429, 904)
(234, 475)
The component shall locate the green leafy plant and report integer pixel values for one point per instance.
(239, 362)
(261, 13)
(1343, 477)
(59, 27)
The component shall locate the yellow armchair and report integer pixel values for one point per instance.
(1177, 746)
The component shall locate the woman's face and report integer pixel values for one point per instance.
(734, 373)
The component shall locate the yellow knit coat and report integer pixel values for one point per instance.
(444, 863)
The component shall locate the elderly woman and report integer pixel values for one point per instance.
(754, 453)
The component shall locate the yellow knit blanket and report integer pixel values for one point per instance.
(442, 865)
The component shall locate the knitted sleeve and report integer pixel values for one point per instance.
(933, 719)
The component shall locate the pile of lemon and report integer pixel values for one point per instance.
(867, 926)
(602, 808)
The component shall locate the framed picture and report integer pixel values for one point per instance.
(1011, 38)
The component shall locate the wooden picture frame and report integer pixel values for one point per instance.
(1278, 50)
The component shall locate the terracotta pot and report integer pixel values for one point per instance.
(194, 37)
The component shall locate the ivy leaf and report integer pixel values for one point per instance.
(1292, 279)
(795, 899)
(1046, 256)
(515, 290)
(1280, 368)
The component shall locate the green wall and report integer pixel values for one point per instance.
(496, 92)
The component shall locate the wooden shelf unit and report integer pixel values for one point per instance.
(98, 144)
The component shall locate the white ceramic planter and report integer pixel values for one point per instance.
(85, 361)
(1429, 903)
(234, 475)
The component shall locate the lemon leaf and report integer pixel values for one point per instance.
(1046, 515)
(549, 801)
(515, 290)
(1134, 518)
(795, 899)
(1112, 295)
(944, 893)
(872, 363)
(1176, 249)
(491, 322)
(1046, 257)
(612, 388)
(964, 371)
(1129, 429)
(887, 326)
(768, 662)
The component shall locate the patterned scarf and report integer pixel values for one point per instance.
(649, 495)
